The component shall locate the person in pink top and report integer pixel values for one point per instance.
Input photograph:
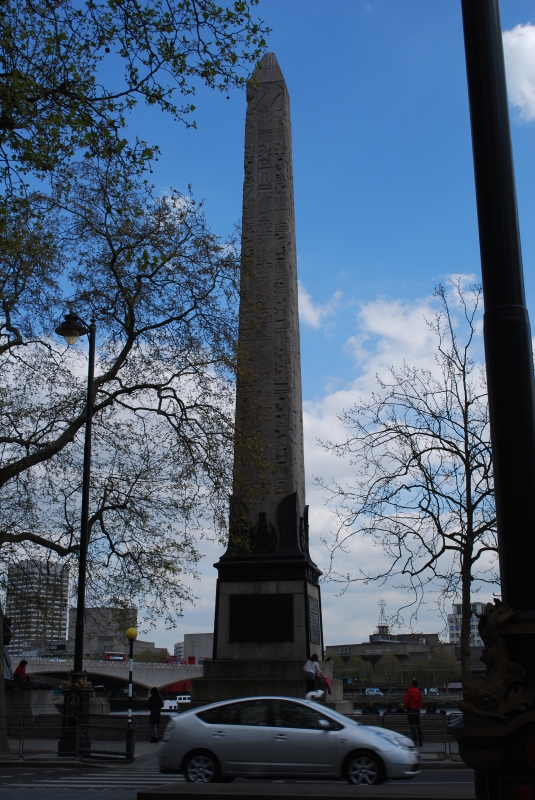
(413, 704)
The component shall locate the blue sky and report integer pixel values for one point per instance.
(385, 204)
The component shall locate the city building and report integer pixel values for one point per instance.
(37, 601)
(104, 631)
(454, 624)
(198, 647)
(406, 647)
(178, 651)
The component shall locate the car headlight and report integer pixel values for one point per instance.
(398, 741)
(169, 728)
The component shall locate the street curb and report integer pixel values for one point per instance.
(428, 765)
(305, 791)
(20, 764)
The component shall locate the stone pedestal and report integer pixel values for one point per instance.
(233, 679)
(30, 702)
(267, 608)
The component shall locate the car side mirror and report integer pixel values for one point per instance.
(325, 725)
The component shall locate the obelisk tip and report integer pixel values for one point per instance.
(268, 70)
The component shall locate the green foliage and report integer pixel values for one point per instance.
(355, 667)
(70, 72)
(442, 668)
(387, 670)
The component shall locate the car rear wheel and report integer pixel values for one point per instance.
(201, 767)
(364, 769)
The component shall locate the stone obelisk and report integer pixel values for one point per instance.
(267, 590)
(268, 606)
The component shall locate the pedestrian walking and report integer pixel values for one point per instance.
(155, 707)
(312, 671)
(413, 704)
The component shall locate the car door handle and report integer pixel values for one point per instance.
(280, 738)
(219, 734)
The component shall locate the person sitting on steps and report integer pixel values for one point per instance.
(312, 671)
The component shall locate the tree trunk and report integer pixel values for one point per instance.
(466, 580)
(4, 744)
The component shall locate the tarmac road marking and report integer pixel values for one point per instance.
(111, 781)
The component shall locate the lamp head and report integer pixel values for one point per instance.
(71, 328)
(131, 633)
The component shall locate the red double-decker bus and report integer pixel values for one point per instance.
(109, 656)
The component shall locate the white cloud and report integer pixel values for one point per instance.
(519, 52)
(389, 333)
(312, 314)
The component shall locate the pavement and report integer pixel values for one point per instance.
(50, 779)
(142, 780)
(138, 784)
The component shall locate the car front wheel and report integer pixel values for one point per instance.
(364, 769)
(201, 767)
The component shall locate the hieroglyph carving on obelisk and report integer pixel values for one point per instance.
(268, 603)
(268, 504)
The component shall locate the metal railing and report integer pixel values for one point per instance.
(10, 737)
(49, 736)
(107, 739)
(45, 736)
(453, 745)
(104, 739)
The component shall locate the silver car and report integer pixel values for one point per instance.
(280, 737)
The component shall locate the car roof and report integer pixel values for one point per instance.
(302, 700)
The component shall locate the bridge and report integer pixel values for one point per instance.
(143, 674)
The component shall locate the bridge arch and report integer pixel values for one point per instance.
(144, 675)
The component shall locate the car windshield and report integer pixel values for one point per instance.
(335, 715)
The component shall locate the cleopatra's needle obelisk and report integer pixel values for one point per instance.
(268, 610)
(268, 599)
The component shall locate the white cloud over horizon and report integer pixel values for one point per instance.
(519, 53)
(389, 333)
(313, 314)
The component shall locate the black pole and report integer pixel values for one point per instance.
(507, 334)
(84, 524)
(130, 680)
(497, 728)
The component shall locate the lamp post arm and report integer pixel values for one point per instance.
(84, 522)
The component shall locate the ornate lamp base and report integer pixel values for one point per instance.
(77, 690)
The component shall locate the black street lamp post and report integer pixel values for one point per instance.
(131, 635)
(497, 733)
(77, 689)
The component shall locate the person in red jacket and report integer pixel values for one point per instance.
(20, 673)
(413, 704)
